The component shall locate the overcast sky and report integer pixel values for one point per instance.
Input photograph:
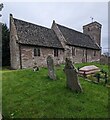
(70, 14)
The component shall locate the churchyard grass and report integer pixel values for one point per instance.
(28, 94)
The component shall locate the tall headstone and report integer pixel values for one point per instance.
(72, 77)
(50, 66)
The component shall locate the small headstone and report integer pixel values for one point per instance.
(72, 76)
(50, 66)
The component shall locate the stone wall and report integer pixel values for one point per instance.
(22, 56)
(91, 56)
(94, 31)
(59, 34)
(81, 54)
(14, 46)
(28, 58)
(105, 60)
(84, 55)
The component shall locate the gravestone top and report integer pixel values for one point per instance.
(71, 76)
(50, 66)
(69, 64)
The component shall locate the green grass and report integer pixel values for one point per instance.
(28, 94)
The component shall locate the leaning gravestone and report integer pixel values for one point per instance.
(72, 77)
(50, 66)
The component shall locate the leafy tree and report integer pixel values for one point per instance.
(5, 46)
(1, 7)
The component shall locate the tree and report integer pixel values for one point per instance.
(1, 7)
(5, 46)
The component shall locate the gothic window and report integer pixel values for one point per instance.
(55, 52)
(73, 51)
(36, 51)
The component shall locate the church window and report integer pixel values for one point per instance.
(36, 51)
(88, 29)
(83, 53)
(55, 52)
(94, 53)
(73, 51)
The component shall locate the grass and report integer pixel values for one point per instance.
(28, 94)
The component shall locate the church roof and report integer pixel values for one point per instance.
(76, 38)
(31, 34)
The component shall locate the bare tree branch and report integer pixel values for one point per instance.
(1, 6)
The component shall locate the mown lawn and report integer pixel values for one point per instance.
(28, 94)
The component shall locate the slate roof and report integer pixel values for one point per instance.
(32, 34)
(76, 38)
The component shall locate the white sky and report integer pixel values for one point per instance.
(70, 14)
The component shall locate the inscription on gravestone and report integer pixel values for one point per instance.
(50, 66)
(72, 77)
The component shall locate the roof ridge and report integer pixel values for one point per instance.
(92, 23)
(36, 34)
(72, 29)
(31, 23)
(79, 35)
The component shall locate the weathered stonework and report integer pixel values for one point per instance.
(22, 51)
(105, 60)
(14, 46)
(94, 31)
(72, 76)
(50, 66)
(81, 54)
(28, 58)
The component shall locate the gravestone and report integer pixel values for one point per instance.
(50, 66)
(72, 77)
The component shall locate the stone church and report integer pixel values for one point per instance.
(30, 44)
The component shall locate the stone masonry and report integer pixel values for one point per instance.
(25, 37)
